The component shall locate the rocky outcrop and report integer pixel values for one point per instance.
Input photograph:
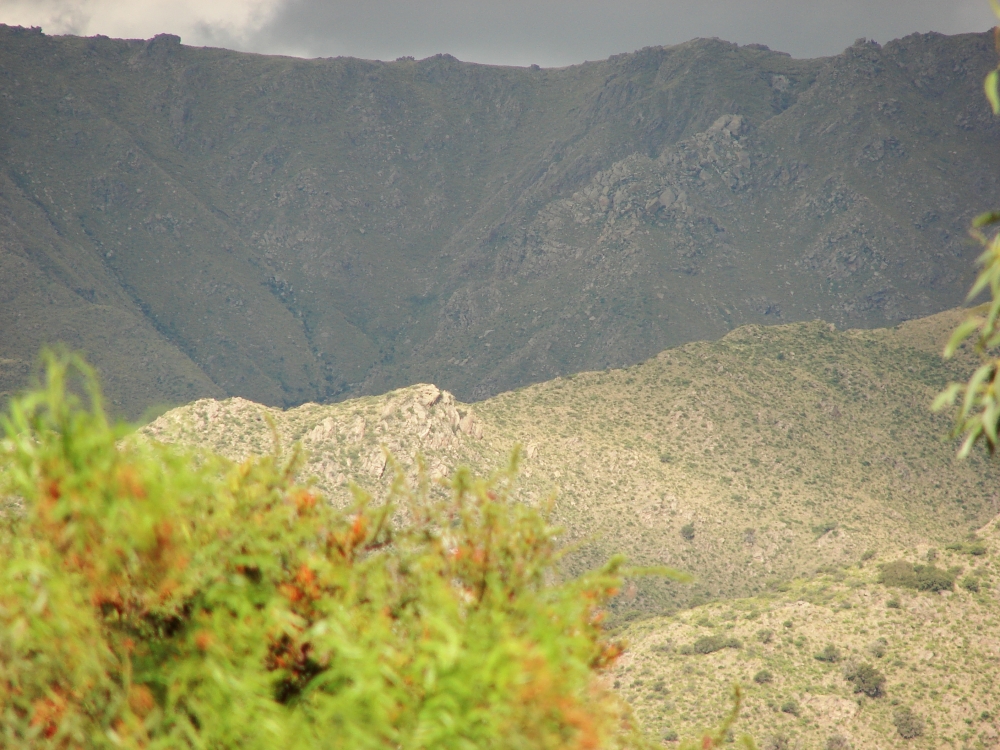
(341, 441)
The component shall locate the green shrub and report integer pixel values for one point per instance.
(908, 724)
(687, 531)
(877, 648)
(708, 644)
(866, 679)
(791, 707)
(837, 742)
(670, 735)
(825, 528)
(921, 577)
(829, 654)
(970, 583)
(765, 635)
(974, 547)
(763, 677)
(154, 597)
(894, 603)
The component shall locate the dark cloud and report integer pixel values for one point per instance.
(561, 32)
(514, 32)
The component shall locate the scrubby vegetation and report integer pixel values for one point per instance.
(920, 577)
(151, 596)
(907, 723)
(709, 644)
(597, 439)
(866, 679)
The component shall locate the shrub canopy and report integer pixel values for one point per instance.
(154, 597)
(920, 577)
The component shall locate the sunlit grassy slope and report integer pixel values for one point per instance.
(937, 651)
(787, 450)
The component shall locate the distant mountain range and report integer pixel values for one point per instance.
(209, 223)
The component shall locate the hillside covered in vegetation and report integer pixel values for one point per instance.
(770, 454)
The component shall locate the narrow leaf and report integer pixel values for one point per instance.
(961, 334)
(946, 397)
(986, 218)
(992, 81)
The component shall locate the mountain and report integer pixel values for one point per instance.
(774, 453)
(787, 467)
(784, 466)
(206, 223)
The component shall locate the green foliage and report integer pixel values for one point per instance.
(978, 414)
(866, 679)
(687, 531)
(878, 647)
(837, 742)
(763, 677)
(920, 577)
(825, 527)
(907, 723)
(709, 644)
(829, 654)
(970, 583)
(791, 706)
(765, 635)
(152, 597)
(974, 547)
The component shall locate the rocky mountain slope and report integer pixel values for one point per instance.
(773, 453)
(208, 223)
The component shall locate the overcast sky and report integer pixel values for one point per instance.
(512, 32)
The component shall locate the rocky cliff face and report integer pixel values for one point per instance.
(209, 223)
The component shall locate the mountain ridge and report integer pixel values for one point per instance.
(786, 450)
(289, 230)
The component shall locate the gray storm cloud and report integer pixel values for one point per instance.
(515, 32)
